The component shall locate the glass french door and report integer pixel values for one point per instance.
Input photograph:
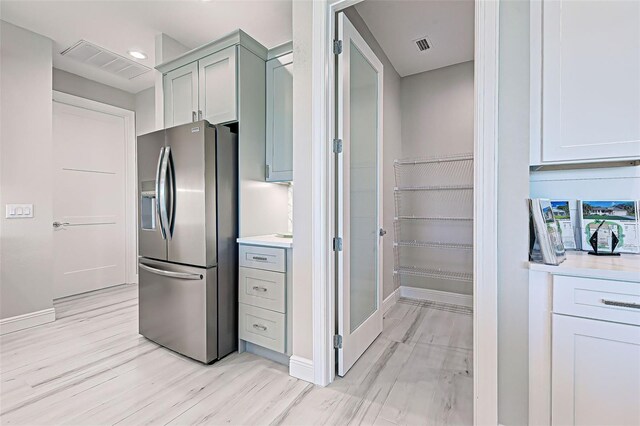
(359, 198)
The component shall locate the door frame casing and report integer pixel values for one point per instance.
(485, 316)
(130, 205)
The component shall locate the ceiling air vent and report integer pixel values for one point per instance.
(423, 44)
(98, 57)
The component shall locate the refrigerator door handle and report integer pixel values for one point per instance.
(162, 197)
(160, 193)
(171, 274)
(171, 173)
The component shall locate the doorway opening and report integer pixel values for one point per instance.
(405, 100)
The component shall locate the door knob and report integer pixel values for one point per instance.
(382, 232)
(57, 224)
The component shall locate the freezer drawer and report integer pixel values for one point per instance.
(178, 308)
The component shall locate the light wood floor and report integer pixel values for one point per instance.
(91, 367)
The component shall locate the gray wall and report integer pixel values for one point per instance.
(25, 130)
(145, 111)
(391, 144)
(512, 210)
(72, 84)
(437, 112)
(437, 120)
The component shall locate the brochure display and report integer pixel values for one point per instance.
(613, 220)
(546, 245)
(562, 213)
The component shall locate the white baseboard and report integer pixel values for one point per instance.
(32, 319)
(437, 296)
(390, 300)
(301, 368)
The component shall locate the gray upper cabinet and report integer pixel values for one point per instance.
(203, 89)
(217, 86)
(279, 153)
(181, 95)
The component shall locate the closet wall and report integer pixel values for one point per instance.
(437, 121)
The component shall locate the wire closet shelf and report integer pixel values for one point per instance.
(433, 218)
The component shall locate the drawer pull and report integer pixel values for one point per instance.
(260, 258)
(262, 289)
(260, 327)
(621, 304)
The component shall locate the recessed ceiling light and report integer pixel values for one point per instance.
(138, 55)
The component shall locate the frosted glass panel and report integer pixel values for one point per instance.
(363, 211)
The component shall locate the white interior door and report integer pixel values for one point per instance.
(88, 199)
(359, 201)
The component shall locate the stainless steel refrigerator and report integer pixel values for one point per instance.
(188, 210)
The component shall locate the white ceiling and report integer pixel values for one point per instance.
(120, 26)
(449, 25)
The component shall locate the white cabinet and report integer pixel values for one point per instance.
(204, 89)
(595, 372)
(584, 342)
(181, 95)
(217, 86)
(279, 154)
(585, 65)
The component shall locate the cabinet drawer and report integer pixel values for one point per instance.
(262, 327)
(264, 289)
(616, 301)
(268, 258)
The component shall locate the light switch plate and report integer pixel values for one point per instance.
(19, 211)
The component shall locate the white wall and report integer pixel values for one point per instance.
(303, 215)
(25, 130)
(437, 120)
(72, 84)
(145, 111)
(392, 147)
(513, 214)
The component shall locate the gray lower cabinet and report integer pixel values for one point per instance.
(264, 289)
(279, 143)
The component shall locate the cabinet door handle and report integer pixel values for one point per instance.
(260, 258)
(260, 327)
(262, 289)
(193, 116)
(621, 304)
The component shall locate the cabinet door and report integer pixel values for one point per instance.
(590, 80)
(181, 95)
(218, 86)
(595, 376)
(280, 119)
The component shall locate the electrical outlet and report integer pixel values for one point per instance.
(19, 211)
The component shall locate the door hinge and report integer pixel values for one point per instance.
(337, 244)
(337, 47)
(268, 171)
(337, 341)
(337, 146)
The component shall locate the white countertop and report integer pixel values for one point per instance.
(625, 267)
(267, 241)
